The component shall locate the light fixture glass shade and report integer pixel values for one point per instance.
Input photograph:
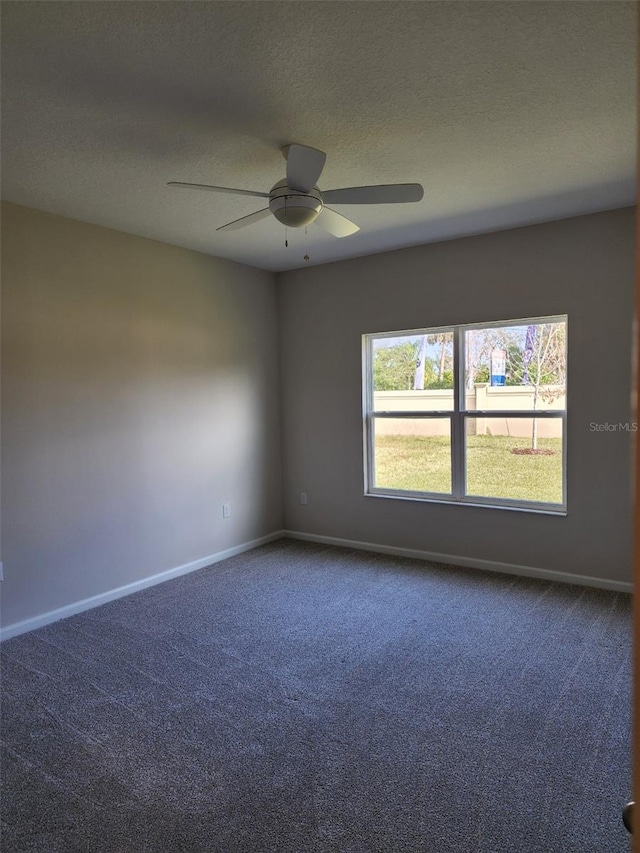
(294, 216)
(294, 209)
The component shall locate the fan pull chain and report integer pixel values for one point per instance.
(306, 256)
(286, 242)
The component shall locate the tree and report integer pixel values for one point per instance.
(444, 384)
(445, 341)
(542, 364)
(515, 364)
(535, 356)
(394, 367)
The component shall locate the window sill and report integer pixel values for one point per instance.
(543, 509)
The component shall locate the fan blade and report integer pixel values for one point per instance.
(381, 194)
(335, 223)
(215, 189)
(304, 166)
(245, 220)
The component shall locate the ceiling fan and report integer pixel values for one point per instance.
(296, 201)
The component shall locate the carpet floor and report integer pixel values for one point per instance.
(311, 699)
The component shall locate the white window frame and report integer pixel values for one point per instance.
(457, 417)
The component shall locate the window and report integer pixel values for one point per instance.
(471, 414)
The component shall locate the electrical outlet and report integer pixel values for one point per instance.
(226, 510)
(303, 498)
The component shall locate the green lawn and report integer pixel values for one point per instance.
(422, 463)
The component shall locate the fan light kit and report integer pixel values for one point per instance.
(297, 202)
(294, 209)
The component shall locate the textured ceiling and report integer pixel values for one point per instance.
(507, 112)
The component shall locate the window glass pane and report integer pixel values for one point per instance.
(413, 454)
(521, 367)
(516, 458)
(413, 373)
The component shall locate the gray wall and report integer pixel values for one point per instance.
(583, 267)
(139, 391)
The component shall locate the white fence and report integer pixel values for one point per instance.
(484, 398)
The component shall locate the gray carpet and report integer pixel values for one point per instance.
(306, 698)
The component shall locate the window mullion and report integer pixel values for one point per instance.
(369, 418)
(457, 419)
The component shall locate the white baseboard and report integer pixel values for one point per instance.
(467, 562)
(39, 621)
(96, 600)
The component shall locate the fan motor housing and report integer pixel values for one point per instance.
(292, 207)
